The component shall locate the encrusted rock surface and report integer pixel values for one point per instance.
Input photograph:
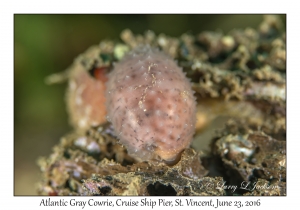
(95, 164)
(252, 157)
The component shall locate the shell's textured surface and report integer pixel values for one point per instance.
(151, 105)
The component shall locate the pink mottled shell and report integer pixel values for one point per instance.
(151, 105)
(86, 98)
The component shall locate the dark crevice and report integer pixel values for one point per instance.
(162, 190)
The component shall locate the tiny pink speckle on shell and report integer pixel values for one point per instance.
(151, 105)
